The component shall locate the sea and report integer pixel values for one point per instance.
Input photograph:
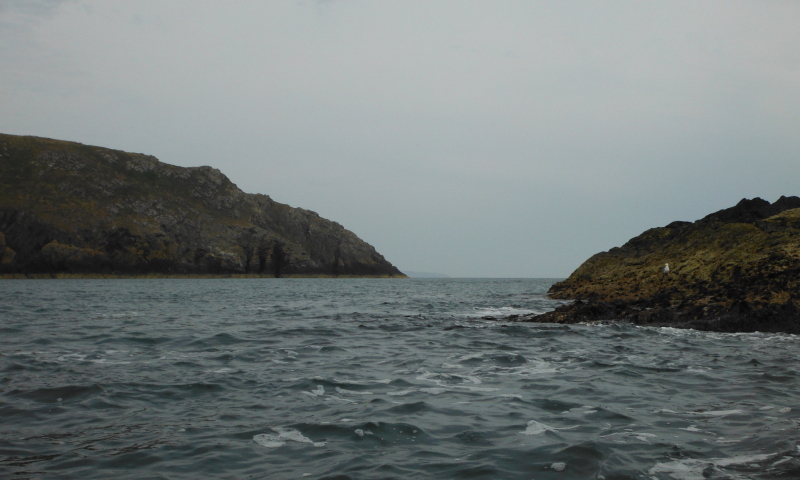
(376, 379)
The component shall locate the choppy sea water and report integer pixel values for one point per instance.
(369, 379)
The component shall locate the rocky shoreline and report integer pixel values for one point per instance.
(736, 270)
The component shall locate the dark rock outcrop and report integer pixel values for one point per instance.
(72, 208)
(735, 270)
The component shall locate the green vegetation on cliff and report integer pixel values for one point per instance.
(735, 270)
(77, 209)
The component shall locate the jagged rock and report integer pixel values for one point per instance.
(737, 269)
(72, 208)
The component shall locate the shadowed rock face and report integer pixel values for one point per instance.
(734, 270)
(73, 208)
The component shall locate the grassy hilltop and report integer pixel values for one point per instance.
(734, 270)
(68, 208)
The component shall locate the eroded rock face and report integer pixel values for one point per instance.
(734, 270)
(73, 208)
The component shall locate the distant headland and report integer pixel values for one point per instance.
(736, 270)
(73, 210)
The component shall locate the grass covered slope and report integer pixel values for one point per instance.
(72, 208)
(735, 270)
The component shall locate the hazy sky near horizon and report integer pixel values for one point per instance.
(470, 138)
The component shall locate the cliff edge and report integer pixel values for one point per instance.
(72, 208)
(735, 270)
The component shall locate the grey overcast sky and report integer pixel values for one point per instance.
(471, 138)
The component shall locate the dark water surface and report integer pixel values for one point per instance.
(368, 379)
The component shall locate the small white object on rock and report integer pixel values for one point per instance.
(666, 268)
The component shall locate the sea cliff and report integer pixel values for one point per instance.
(69, 208)
(735, 270)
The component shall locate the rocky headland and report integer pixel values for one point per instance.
(68, 208)
(736, 270)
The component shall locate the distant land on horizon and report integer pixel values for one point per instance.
(416, 274)
(74, 209)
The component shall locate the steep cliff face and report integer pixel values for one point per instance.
(73, 208)
(735, 270)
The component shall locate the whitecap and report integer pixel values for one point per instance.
(478, 389)
(433, 390)
(319, 391)
(510, 395)
(693, 469)
(283, 435)
(536, 428)
(450, 365)
(621, 436)
(782, 460)
(719, 413)
(342, 391)
(401, 393)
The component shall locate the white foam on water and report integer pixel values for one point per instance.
(785, 410)
(536, 428)
(359, 432)
(222, 370)
(725, 441)
(692, 469)
(342, 391)
(558, 466)
(333, 398)
(471, 356)
(621, 437)
(718, 413)
(477, 389)
(283, 436)
(510, 395)
(450, 365)
(384, 381)
(433, 390)
(319, 391)
(401, 393)
(499, 311)
(767, 407)
(691, 428)
(782, 460)
(698, 370)
(473, 379)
